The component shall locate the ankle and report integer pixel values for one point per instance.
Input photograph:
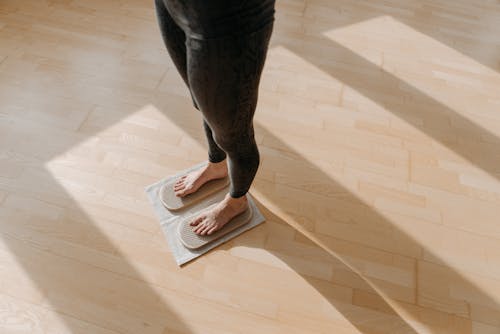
(218, 166)
(239, 201)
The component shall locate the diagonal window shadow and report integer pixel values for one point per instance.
(73, 266)
(441, 20)
(331, 250)
(407, 103)
(45, 265)
(423, 290)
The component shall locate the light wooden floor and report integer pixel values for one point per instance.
(379, 130)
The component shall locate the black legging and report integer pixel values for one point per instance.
(219, 48)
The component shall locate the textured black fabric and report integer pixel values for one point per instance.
(219, 48)
(204, 19)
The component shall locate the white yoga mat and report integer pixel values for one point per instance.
(169, 219)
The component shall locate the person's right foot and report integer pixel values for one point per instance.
(191, 182)
(213, 220)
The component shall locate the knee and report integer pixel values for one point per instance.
(225, 142)
(239, 147)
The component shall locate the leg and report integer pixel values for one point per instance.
(175, 42)
(215, 153)
(224, 75)
(174, 39)
(215, 169)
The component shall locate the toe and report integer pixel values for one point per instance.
(179, 193)
(196, 221)
(200, 226)
(212, 230)
(181, 187)
(203, 229)
(200, 231)
(206, 229)
(188, 189)
(180, 180)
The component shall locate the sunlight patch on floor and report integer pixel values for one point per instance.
(439, 71)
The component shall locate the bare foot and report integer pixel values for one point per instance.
(191, 182)
(214, 219)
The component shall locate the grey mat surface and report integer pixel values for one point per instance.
(170, 219)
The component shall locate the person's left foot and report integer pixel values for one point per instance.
(191, 182)
(214, 219)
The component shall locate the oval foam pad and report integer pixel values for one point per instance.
(173, 202)
(192, 240)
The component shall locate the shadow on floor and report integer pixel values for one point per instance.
(45, 246)
(62, 258)
(440, 20)
(421, 111)
(364, 220)
(474, 143)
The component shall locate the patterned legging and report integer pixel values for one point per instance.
(219, 48)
